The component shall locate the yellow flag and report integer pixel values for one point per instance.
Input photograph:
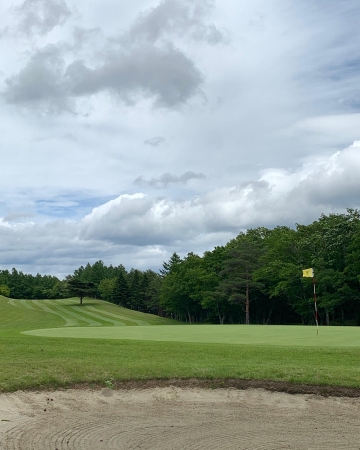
(308, 273)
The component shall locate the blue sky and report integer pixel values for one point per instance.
(131, 131)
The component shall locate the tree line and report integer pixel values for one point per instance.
(254, 278)
(135, 289)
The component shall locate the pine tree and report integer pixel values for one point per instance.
(237, 275)
(80, 288)
(121, 294)
(168, 266)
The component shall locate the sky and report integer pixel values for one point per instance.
(130, 130)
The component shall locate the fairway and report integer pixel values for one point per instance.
(290, 336)
(60, 343)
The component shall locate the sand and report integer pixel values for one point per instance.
(177, 418)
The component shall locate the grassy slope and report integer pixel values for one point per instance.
(30, 361)
(20, 315)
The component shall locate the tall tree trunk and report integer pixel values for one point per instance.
(247, 306)
(221, 316)
(268, 319)
(189, 316)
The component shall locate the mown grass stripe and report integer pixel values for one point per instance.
(80, 317)
(13, 302)
(119, 316)
(27, 304)
(69, 322)
(65, 305)
(34, 305)
(127, 316)
(153, 319)
(67, 301)
(97, 316)
(64, 312)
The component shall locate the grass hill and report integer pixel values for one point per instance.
(21, 315)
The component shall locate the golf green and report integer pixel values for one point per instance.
(298, 336)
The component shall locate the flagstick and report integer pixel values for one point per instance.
(316, 311)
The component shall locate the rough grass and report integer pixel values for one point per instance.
(34, 362)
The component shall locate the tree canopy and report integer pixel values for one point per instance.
(254, 278)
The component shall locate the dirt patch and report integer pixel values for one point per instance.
(272, 386)
(172, 417)
(236, 383)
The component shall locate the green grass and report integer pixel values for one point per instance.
(21, 315)
(139, 351)
(289, 336)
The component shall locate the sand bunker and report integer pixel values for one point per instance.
(177, 419)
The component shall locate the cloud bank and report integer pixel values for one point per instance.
(159, 226)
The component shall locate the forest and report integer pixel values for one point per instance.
(256, 278)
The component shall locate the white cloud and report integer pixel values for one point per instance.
(144, 229)
(141, 220)
(278, 197)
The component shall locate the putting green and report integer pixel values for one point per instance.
(298, 336)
